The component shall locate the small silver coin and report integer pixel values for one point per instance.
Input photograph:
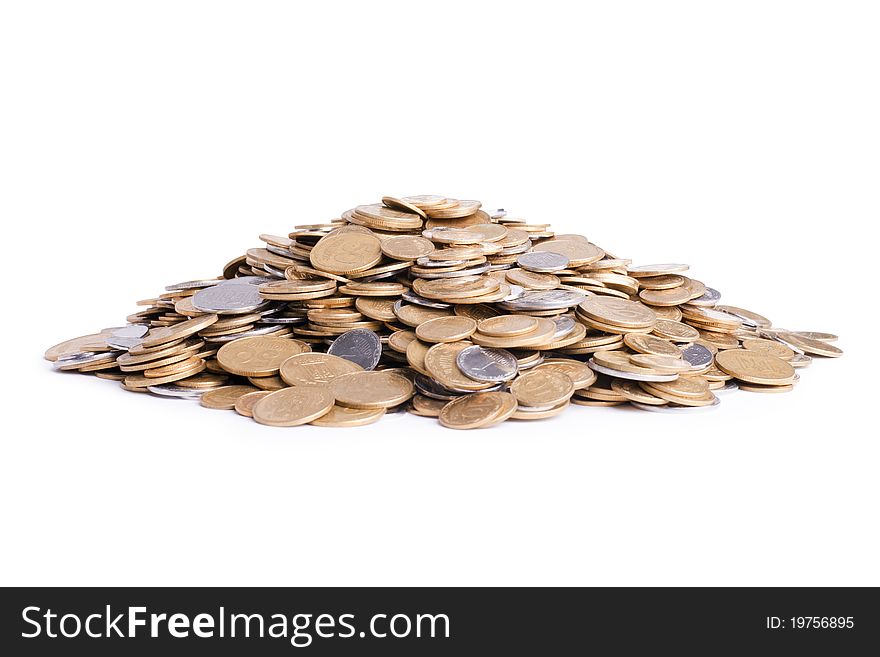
(474, 271)
(229, 299)
(544, 262)
(632, 376)
(192, 285)
(425, 261)
(130, 331)
(123, 343)
(546, 300)
(360, 346)
(708, 299)
(430, 388)
(260, 330)
(176, 391)
(698, 356)
(282, 320)
(675, 408)
(412, 297)
(564, 326)
(487, 365)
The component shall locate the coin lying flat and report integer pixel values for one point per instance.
(292, 407)
(428, 304)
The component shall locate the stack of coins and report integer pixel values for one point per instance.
(431, 305)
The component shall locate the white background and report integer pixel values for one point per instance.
(143, 144)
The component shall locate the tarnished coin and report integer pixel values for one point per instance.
(292, 407)
(360, 346)
(446, 329)
(480, 410)
(698, 356)
(755, 367)
(315, 369)
(487, 365)
(258, 356)
(371, 390)
(224, 398)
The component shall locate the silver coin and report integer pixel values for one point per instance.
(176, 391)
(709, 298)
(360, 346)
(519, 248)
(123, 343)
(632, 376)
(564, 326)
(487, 365)
(546, 300)
(430, 388)
(698, 356)
(801, 360)
(516, 291)
(262, 330)
(229, 299)
(192, 285)
(245, 280)
(425, 261)
(773, 335)
(544, 262)
(284, 253)
(378, 277)
(276, 273)
(130, 331)
(675, 408)
(282, 320)
(500, 213)
(532, 365)
(412, 297)
(728, 385)
(80, 359)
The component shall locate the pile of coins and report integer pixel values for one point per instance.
(431, 305)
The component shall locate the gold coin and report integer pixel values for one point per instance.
(545, 332)
(532, 280)
(541, 388)
(811, 346)
(755, 367)
(173, 368)
(164, 335)
(140, 381)
(403, 206)
(224, 398)
(315, 369)
(292, 407)
(427, 406)
(664, 364)
(581, 375)
(258, 355)
(407, 247)
(683, 386)
(346, 252)
(446, 329)
(617, 312)
(645, 271)
(416, 351)
(244, 405)
(270, 383)
(461, 287)
(342, 416)
(371, 390)
(666, 297)
(579, 253)
(760, 320)
(675, 331)
(441, 363)
(478, 411)
(74, 345)
(634, 392)
(815, 335)
(413, 315)
(649, 344)
(506, 326)
(769, 347)
(662, 282)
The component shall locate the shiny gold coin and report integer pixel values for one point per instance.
(526, 413)
(719, 340)
(270, 383)
(399, 340)
(173, 368)
(769, 347)
(755, 367)
(442, 364)
(258, 355)
(532, 280)
(74, 345)
(376, 308)
(634, 392)
(416, 351)
(315, 369)
(816, 335)
(753, 387)
(140, 381)
(346, 252)
(244, 405)
(754, 317)
(224, 398)
(292, 407)
(579, 253)
(581, 375)
(645, 271)
(164, 335)
(663, 282)
(507, 326)
(650, 344)
(371, 390)
(407, 247)
(414, 315)
(542, 388)
(675, 331)
(480, 410)
(666, 297)
(664, 364)
(427, 406)
(403, 206)
(545, 332)
(461, 287)
(811, 346)
(446, 329)
(617, 312)
(342, 416)
(683, 386)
